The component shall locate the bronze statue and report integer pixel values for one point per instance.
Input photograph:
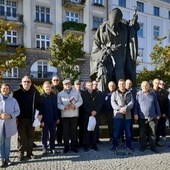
(114, 50)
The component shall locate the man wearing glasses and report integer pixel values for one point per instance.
(29, 100)
(56, 88)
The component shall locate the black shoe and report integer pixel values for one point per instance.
(59, 144)
(133, 139)
(34, 145)
(95, 148)
(74, 150)
(142, 149)
(65, 150)
(86, 149)
(8, 162)
(31, 156)
(53, 151)
(155, 150)
(159, 144)
(99, 142)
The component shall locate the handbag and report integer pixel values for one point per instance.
(91, 123)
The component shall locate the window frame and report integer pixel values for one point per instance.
(140, 30)
(11, 36)
(122, 3)
(42, 40)
(97, 23)
(42, 14)
(9, 8)
(140, 6)
(156, 31)
(72, 16)
(156, 11)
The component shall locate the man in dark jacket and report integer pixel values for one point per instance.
(92, 104)
(49, 117)
(108, 110)
(162, 96)
(28, 99)
(56, 88)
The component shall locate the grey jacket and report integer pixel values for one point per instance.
(122, 101)
(11, 107)
(64, 99)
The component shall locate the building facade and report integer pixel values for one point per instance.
(36, 21)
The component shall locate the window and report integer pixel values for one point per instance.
(42, 69)
(42, 41)
(140, 55)
(122, 3)
(13, 72)
(169, 14)
(155, 11)
(169, 38)
(11, 37)
(42, 14)
(140, 6)
(155, 31)
(70, 16)
(76, 1)
(98, 2)
(97, 22)
(140, 31)
(8, 8)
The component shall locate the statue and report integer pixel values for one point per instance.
(114, 50)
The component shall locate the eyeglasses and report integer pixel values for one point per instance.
(26, 81)
(161, 83)
(55, 80)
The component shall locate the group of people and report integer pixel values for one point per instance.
(69, 109)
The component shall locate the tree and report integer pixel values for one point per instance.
(64, 54)
(9, 60)
(161, 60)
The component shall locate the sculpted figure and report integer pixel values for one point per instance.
(114, 50)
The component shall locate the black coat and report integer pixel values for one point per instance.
(91, 102)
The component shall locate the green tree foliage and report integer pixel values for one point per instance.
(161, 60)
(64, 54)
(9, 60)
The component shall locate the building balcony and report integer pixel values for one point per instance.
(74, 27)
(74, 4)
(16, 19)
(42, 75)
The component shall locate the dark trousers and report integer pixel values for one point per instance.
(59, 129)
(49, 128)
(81, 130)
(90, 137)
(70, 131)
(120, 124)
(161, 128)
(147, 128)
(59, 132)
(25, 135)
(109, 120)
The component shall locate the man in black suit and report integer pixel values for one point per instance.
(92, 104)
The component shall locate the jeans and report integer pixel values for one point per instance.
(120, 124)
(4, 146)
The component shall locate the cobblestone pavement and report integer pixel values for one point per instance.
(95, 160)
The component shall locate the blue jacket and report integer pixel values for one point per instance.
(49, 108)
(146, 105)
(107, 107)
